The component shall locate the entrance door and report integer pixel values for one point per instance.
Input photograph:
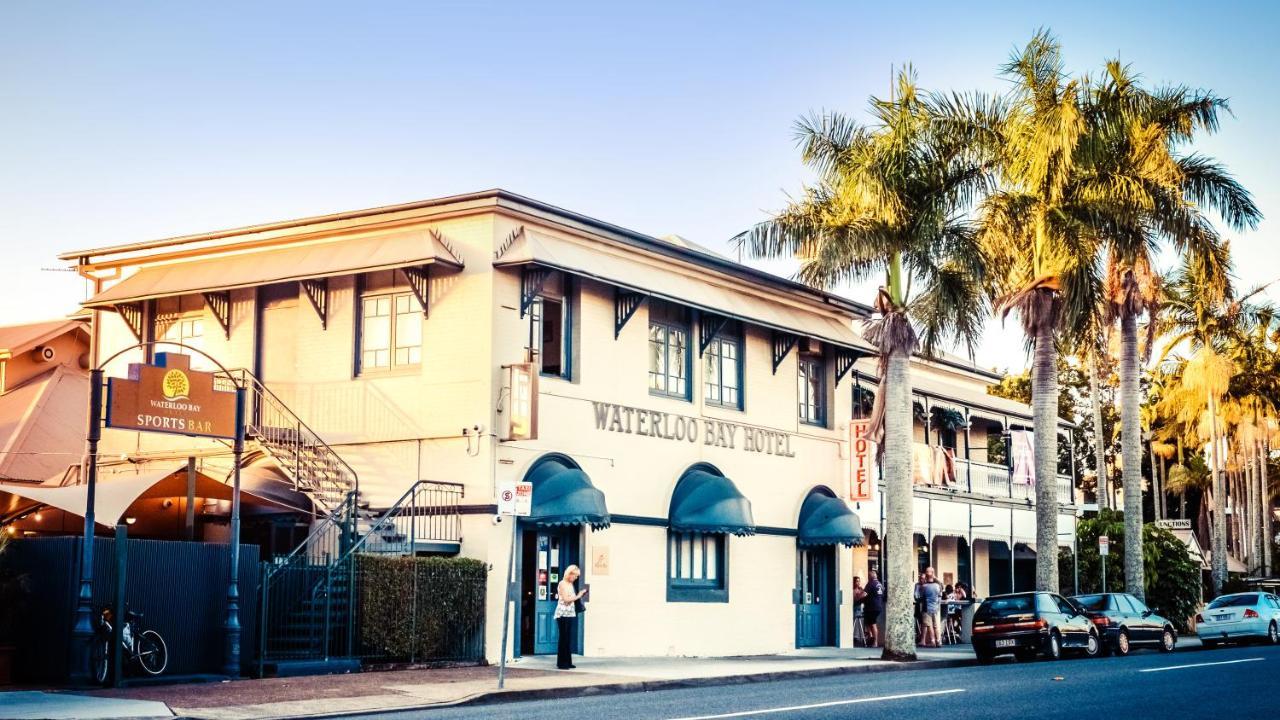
(545, 555)
(816, 600)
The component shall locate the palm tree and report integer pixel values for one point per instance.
(890, 198)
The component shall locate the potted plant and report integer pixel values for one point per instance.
(13, 589)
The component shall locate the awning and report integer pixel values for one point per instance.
(249, 269)
(825, 520)
(563, 495)
(268, 483)
(667, 280)
(707, 502)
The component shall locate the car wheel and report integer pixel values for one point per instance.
(1054, 649)
(1273, 633)
(1168, 640)
(1122, 643)
(1092, 646)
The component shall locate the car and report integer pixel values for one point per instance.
(1126, 622)
(1240, 616)
(1029, 624)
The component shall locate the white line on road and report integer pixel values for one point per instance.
(834, 703)
(1204, 664)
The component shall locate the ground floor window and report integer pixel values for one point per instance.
(696, 567)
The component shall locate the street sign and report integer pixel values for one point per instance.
(515, 498)
(1104, 545)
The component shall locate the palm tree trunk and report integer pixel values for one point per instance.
(1254, 517)
(1156, 491)
(1099, 448)
(900, 633)
(1044, 403)
(1219, 543)
(1268, 531)
(1131, 452)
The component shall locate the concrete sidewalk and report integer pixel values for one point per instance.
(527, 678)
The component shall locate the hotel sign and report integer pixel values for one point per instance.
(862, 471)
(679, 428)
(170, 397)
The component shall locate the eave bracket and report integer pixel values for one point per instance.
(531, 281)
(220, 303)
(625, 304)
(317, 292)
(782, 343)
(709, 325)
(132, 314)
(420, 283)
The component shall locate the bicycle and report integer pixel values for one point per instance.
(144, 648)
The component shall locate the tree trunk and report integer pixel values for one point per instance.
(900, 630)
(1268, 531)
(1099, 446)
(1156, 490)
(1254, 518)
(1044, 403)
(1131, 452)
(1219, 544)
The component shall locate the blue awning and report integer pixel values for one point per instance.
(707, 502)
(825, 520)
(563, 495)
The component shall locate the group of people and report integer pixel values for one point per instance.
(930, 598)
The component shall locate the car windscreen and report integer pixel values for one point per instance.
(1234, 601)
(995, 608)
(1096, 603)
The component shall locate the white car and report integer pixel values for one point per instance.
(1238, 617)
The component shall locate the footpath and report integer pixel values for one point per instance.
(326, 696)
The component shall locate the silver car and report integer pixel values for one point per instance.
(1240, 616)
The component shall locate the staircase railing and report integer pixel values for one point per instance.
(313, 466)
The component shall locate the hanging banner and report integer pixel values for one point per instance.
(1022, 444)
(862, 453)
(170, 397)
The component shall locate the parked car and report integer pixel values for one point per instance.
(1027, 625)
(1126, 622)
(1241, 616)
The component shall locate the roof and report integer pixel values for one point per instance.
(42, 425)
(18, 338)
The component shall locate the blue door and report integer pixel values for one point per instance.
(547, 552)
(815, 597)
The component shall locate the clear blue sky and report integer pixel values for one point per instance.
(127, 121)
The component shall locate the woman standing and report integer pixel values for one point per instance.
(566, 615)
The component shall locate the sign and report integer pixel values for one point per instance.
(600, 560)
(524, 402)
(679, 428)
(863, 469)
(170, 397)
(1104, 545)
(515, 499)
(1174, 524)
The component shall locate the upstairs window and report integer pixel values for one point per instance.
(181, 320)
(811, 389)
(669, 358)
(390, 323)
(550, 324)
(722, 371)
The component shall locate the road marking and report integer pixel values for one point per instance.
(1204, 664)
(834, 703)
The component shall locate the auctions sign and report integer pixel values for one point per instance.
(170, 397)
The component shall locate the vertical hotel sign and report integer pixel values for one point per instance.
(170, 397)
(862, 456)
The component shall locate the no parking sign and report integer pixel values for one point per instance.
(515, 499)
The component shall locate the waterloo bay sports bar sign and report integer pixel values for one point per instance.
(679, 428)
(170, 397)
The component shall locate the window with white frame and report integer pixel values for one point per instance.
(390, 324)
(722, 369)
(180, 320)
(669, 358)
(550, 328)
(696, 567)
(811, 390)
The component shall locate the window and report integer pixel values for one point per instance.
(390, 325)
(668, 350)
(722, 374)
(1139, 607)
(695, 567)
(812, 390)
(550, 324)
(181, 320)
(1046, 604)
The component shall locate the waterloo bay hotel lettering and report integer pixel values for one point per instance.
(669, 426)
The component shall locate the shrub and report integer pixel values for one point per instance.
(428, 608)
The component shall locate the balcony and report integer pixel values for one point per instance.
(985, 479)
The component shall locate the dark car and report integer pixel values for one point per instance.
(1027, 625)
(1126, 622)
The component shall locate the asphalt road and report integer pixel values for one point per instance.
(1233, 682)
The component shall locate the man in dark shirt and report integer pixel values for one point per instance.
(872, 607)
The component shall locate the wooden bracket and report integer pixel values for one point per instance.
(709, 324)
(782, 343)
(625, 304)
(531, 281)
(220, 303)
(317, 291)
(132, 314)
(845, 358)
(420, 283)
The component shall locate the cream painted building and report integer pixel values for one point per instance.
(695, 411)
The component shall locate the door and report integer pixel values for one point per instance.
(1149, 628)
(815, 597)
(545, 555)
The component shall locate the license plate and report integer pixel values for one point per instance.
(1007, 643)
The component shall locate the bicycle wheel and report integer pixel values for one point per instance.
(99, 659)
(153, 656)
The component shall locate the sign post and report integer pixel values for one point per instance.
(515, 500)
(1104, 549)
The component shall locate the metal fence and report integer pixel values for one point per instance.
(179, 587)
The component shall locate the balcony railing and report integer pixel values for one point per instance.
(987, 479)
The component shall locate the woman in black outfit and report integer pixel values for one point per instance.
(567, 616)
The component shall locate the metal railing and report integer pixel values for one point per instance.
(314, 467)
(991, 480)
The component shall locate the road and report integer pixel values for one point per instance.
(1233, 682)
